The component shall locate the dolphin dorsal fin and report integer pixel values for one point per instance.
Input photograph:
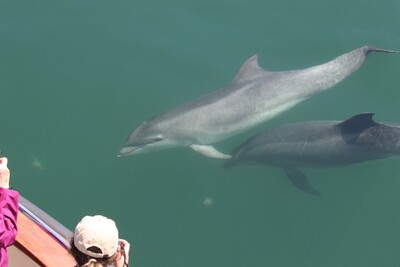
(250, 69)
(356, 125)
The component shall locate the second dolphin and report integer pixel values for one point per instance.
(319, 144)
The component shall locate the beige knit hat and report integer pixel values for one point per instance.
(96, 236)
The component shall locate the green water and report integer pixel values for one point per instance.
(77, 76)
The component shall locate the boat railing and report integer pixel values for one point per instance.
(45, 221)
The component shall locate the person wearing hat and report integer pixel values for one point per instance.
(8, 212)
(96, 243)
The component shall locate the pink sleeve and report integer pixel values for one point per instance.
(8, 216)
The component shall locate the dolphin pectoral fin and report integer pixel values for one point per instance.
(209, 151)
(299, 179)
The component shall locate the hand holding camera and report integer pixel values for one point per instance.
(124, 248)
(4, 172)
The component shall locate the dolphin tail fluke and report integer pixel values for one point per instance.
(209, 151)
(299, 179)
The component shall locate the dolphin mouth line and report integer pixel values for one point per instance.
(126, 151)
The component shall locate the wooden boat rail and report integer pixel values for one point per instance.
(41, 240)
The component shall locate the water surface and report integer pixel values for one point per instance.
(77, 76)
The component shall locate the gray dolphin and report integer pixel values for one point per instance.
(319, 144)
(254, 96)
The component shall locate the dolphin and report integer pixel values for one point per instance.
(254, 96)
(316, 144)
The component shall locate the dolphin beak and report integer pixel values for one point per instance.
(127, 151)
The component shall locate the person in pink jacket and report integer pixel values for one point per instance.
(8, 212)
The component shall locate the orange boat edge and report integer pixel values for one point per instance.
(41, 240)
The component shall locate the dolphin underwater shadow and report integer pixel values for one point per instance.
(254, 96)
(318, 144)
